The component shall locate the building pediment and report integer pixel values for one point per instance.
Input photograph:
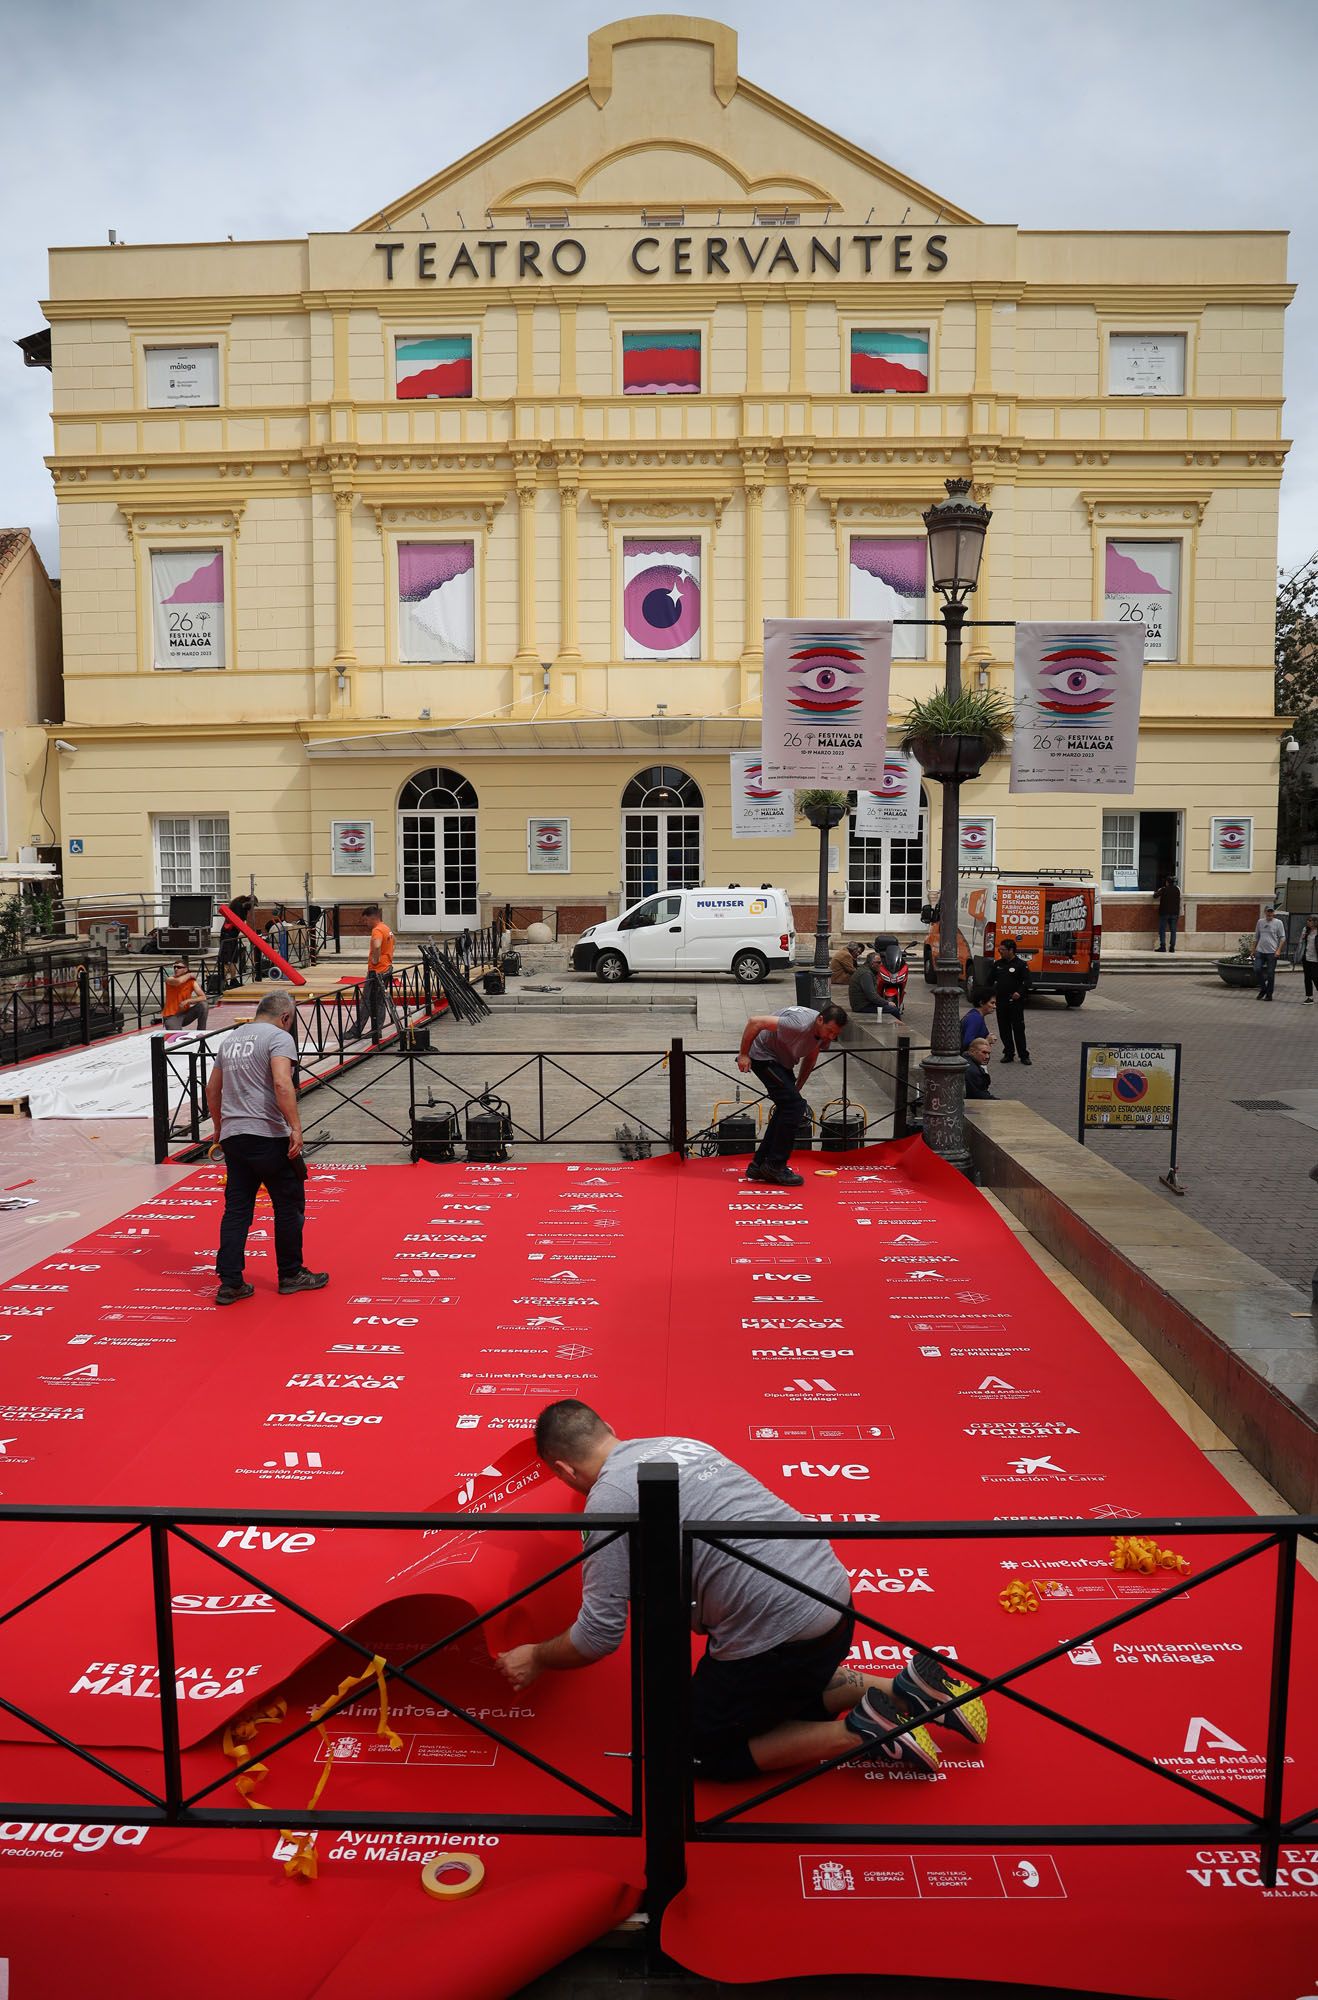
(663, 124)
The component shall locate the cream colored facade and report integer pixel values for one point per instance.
(663, 195)
(30, 695)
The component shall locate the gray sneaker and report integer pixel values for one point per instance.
(925, 1682)
(229, 1295)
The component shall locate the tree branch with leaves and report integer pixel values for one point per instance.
(1295, 662)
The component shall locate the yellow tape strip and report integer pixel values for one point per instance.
(240, 1734)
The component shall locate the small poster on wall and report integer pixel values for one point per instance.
(977, 843)
(352, 846)
(549, 846)
(1232, 850)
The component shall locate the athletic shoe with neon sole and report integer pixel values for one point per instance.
(873, 1716)
(926, 1681)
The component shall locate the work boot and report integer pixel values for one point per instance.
(304, 1281)
(230, 1295)
(781, 1177)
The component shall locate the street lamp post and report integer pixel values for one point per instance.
(956, 528)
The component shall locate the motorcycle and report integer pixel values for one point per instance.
(890, 972)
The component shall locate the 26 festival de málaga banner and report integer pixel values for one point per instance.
(826, 702)
(759, 811)
(1077, 707)
(893, 811)
(187, 608)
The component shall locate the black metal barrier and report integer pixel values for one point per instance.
(325, 1033)
(662, 1805)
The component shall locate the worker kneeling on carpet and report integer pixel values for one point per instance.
(771, 1690)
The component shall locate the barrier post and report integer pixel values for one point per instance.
(1283, 1619)
(159, 1099)
(162, 1600)
(902, 1088)
(85, 1004)
(665, 1638)
(677, 1097)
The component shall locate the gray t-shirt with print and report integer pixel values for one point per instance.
(248, 1101)
(789, 1040)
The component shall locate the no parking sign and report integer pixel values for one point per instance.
(1130, 1086)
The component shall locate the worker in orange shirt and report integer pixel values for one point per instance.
(379, 967)
(185, 1003)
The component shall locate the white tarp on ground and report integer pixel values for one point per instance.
(109, 1080)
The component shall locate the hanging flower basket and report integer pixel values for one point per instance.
(953, 736)
(957, 757)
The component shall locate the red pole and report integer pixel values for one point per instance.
(289, 971)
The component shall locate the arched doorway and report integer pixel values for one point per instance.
(437, 878)
(663, 823)
(886, 878)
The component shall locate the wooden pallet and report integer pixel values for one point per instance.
(14, 1107)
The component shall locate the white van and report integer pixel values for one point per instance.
(741, 931)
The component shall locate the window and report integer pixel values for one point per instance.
(436, 601)
(663, 817)
(187, 607)
(1146, 364)
(438, 868)
(182, 377)
(1142, 584)
(660, 599)
(434, 365)
(661, 363)
(659, 910)
(1140, 849)
(192, 856)
(884, 363)
(888, 581)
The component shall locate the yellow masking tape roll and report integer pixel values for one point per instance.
(449, 1892)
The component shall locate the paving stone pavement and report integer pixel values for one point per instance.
(1246, 1171)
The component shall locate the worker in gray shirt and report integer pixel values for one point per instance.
(253, 1106)
(772, 1045)
(772, 1689)
(1269, 939)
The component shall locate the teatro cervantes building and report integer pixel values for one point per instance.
(430, 559)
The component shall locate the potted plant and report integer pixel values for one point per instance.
(953, 736)
(823, 809)
(1238, 970)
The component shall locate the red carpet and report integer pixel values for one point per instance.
(875, 1345)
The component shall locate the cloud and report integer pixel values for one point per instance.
(194, 122)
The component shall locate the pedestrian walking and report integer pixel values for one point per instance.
(1011, 983)
(772, 1045)
(253, 1106)
(1306, 957)
(1269, 937)
(1169, 913)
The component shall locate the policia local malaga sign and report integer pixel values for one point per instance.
(1132, 1087)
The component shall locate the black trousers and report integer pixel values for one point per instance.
(251, 1163)
(1309, 967)
(735, 1700)
(775, 1148)
(1011, 1019)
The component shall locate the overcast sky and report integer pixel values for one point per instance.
(275, 117)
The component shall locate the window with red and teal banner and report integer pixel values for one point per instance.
(661, 364)
(887, 363)
(433, 364)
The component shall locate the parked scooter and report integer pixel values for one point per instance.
(890, 972)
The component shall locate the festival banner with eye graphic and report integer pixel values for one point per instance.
(660, 599)
(759, 811)
(826, 702)
(549, 846)
(1077, 707)
(1232, 846)
(977, 843)
(893, 811)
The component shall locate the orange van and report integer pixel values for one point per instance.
(1056, 917)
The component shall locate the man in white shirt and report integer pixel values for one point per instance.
(1269, 938)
